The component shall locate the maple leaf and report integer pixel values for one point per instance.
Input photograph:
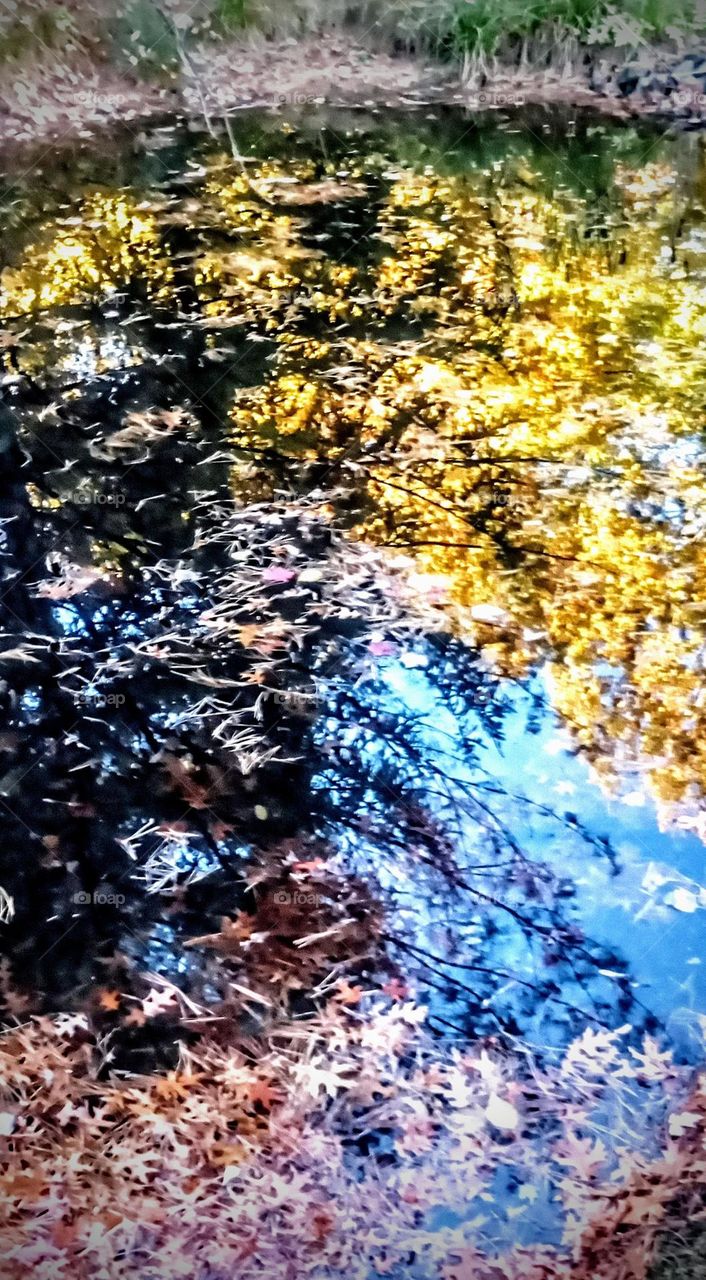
(157, 1002)
(346, 994)
(654, 1064)
(262, 1091)
(270, 642)
(175, 1085)
(68, 1113)
(227, 1154)
(109, 1000)
(595, 1052)
(232, 933)
(139, 432)
(169, 418)
(9, 340)
(582, 1155)
(258, 675)
(331, 1078)
(68, 1024)
(248, 635)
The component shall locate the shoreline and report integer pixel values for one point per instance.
(54, 104)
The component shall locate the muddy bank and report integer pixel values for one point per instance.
(55, 101)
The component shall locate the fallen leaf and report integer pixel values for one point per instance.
(261, 1091)
(682, 900)
(278, 573)
(685, 1120)
(382, 649)
(109, 1000)
(345, 994)
(502, 1114)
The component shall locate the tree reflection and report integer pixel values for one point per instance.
(492, 365)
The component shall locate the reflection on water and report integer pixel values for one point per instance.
(481, 346)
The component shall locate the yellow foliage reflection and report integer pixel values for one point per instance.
(110, 242)
(504, 371)
(536, 449)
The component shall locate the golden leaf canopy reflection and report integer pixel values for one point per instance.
(111, 241)
(522, 405)
(499, 357)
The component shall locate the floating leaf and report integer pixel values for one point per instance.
(382, 649)
(682, 900)
(278, 573)
(501, 1113)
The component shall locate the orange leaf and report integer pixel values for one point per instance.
(261, 1091)
(109, 1000)
(347, 994)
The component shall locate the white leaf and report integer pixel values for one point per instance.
(490, 614)
(501, 1113)
(682, 900)
(679, 1124)
(7, 1123)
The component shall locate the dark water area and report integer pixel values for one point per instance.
(352, 507)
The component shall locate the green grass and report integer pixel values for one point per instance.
(141, 33)
(411, 23)
(485, 26)
(475, 28)
(232, 15)
(143, 37)
(493, 27)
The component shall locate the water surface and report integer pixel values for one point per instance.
(478, 342)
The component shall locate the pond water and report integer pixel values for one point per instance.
(474, 344)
